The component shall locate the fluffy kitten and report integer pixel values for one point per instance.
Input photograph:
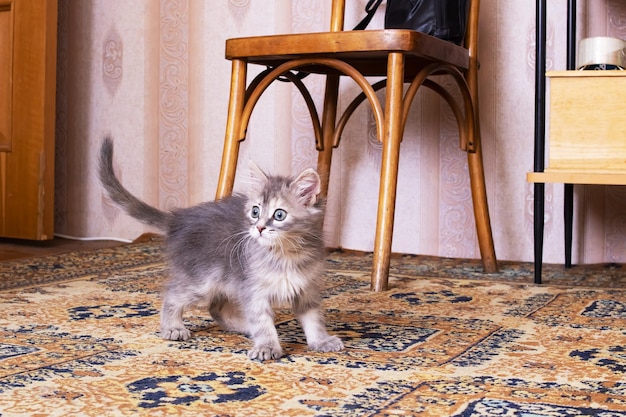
(240, 256)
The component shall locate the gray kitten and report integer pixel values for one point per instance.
(240, 256)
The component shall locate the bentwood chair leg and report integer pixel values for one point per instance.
(481, 210)
(329, 117)
(233, 129)
(476, 169)
(389, 172)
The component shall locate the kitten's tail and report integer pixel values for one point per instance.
(122, 197)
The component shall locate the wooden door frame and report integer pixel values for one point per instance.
(27, 163)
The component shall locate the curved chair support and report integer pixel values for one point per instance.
(282, 70)
(467, 143)
(347, 113)
(317, 127)
(310, 104)
(255, 82)
(459, 116)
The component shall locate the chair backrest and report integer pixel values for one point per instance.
(471, 43)
(471, 33)
(337, 15)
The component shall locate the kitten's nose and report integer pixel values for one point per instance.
(260, 229)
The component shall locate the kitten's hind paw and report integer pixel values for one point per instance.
(330, 344)
(265, 352)
(177, 333)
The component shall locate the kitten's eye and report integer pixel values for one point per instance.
(280, 215)
(256, 211)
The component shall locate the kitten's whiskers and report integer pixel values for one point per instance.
(237, 248)
(240, 250)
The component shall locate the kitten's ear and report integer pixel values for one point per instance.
(258, 178)
(307, 187)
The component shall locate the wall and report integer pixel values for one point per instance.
(153, 75)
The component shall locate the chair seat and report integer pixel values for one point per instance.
(366, 50)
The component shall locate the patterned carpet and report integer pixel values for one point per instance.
(79, 336)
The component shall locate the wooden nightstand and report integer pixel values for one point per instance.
(587, 136)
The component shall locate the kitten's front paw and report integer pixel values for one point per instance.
(265, 352)
(330, 344)
(177, 333)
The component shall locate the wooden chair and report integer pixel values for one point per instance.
(403, 56)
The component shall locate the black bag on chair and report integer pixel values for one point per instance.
(444, 19)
